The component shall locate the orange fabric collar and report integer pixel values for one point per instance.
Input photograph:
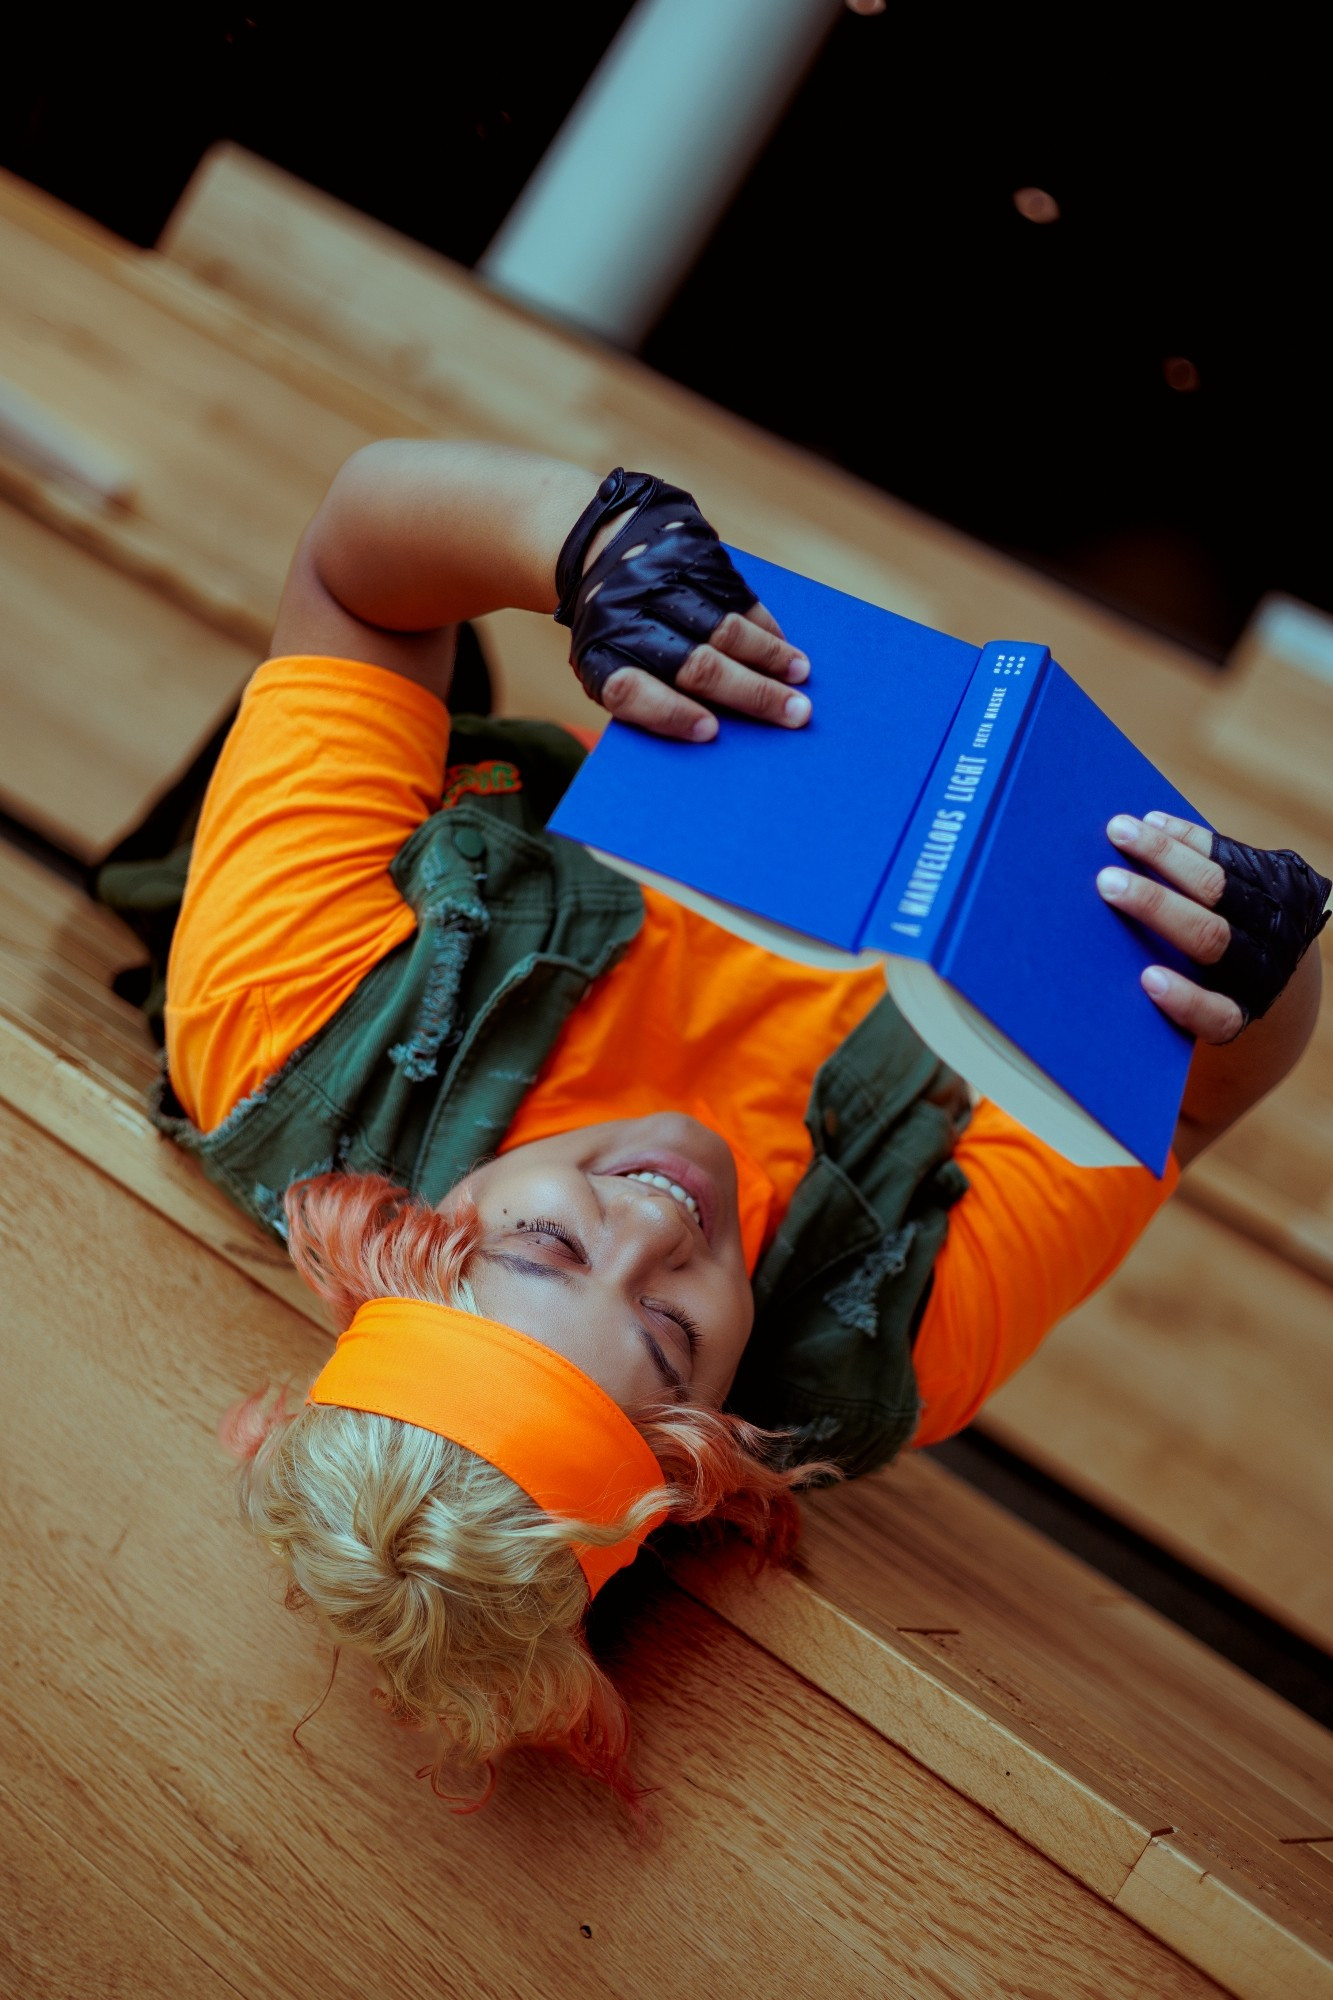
(523, 1408)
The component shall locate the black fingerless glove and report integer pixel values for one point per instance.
(652, 609)
(1274, 902)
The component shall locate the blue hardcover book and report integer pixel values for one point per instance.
(944, 810)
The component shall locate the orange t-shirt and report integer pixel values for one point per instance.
(331, 766)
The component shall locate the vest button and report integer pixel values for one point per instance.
(470, 844)
(831, 1124)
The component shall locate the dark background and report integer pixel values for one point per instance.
(873, 293)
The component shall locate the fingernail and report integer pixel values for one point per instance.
(796, 709)
(799, 669)
(1113, 881)
(1154, 982)
(704, 730)
(1154, 819)
(1122, 827)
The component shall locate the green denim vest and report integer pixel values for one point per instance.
(421, 1071)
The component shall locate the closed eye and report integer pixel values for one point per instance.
(670, 1375)
(543, 1227)
(681, 1318)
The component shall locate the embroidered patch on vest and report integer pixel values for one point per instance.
(493, 775)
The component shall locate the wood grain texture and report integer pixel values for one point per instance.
(151, 1680)
(229, 458)
(107, 688)
(1173, 1895)
(1193, 1396)
(59, 951)
(71, 1932)
(1180, 1737)
(1079, 1717)
(1274, 725)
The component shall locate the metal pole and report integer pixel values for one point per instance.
(632, 184)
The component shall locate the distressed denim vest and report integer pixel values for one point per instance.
(421, 1071)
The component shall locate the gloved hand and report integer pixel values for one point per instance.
(658, 611)
(1245, 915)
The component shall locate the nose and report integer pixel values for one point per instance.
(646, 1228)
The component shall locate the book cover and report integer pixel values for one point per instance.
(946, 805)
(801, 838)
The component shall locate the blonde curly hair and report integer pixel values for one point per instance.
(467, 1596)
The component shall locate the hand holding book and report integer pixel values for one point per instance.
(1244, 914)
(658, 612)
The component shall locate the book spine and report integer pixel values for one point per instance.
(929, 868)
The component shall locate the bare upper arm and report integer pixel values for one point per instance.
(312, 620)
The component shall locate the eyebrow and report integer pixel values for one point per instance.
(568, 1278)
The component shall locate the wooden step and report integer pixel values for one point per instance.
(108, 688)
(426, 332)
(231, 432)
(1193, 1397)
(162, 1826)
(1119, 1748)
(1274, 726)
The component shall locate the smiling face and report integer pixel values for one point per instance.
(619, 1246)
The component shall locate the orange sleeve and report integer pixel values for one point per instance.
(329, 768)
(1031, 1239)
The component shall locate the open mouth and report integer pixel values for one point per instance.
(688, 1183)
(673, 1188)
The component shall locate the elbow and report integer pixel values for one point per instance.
(356, 532)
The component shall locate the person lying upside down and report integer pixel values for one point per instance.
(623, 1219)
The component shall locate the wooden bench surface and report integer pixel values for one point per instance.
(107, 687)
(1193, 1396)
(959, 1634)
(427, 334)
(163, 1828)
(1274, 725)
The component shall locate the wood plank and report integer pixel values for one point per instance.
(108, 688)
(793, 1841)
(71, 1933)
(1176, 1894)
(1075, 1714)
(229, 459)
(80, 1063)
(441, 343)
(1193, 1397)
(59, 952)
(1274, 726)
(235, 404)
(1179, 1735)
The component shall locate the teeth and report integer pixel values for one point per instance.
(672, 1188)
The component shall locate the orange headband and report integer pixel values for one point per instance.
(520, 1406)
